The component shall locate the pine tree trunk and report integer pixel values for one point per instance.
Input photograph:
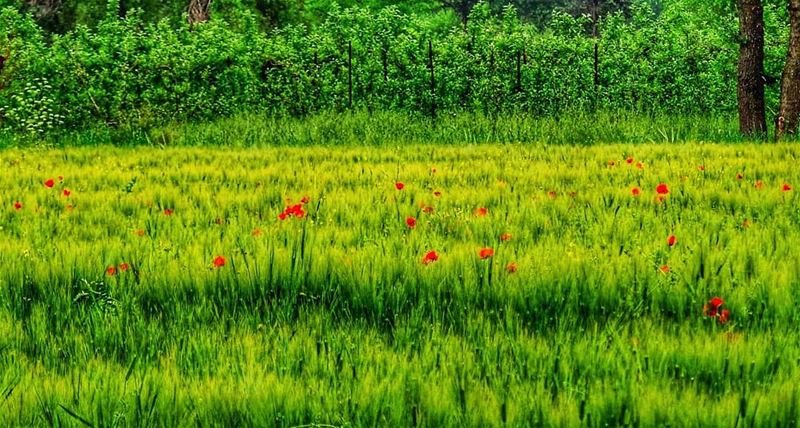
(198, 11)
(789, 114)
(752, 112)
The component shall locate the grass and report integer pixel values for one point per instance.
(387, 129)
(333, 319)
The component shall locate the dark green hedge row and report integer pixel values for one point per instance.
(130, 73)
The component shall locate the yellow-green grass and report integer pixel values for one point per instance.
(333, 318)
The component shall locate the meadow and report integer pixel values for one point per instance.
(415, 285)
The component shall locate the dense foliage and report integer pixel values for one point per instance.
(130, 72)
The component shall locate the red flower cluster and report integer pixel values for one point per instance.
(712, 309)
(662, 189)
(411, 222)
(485, 253)
(430, 257)
(112, 270)
(786, 187)
(295, 210)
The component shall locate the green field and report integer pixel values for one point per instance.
(217, 312)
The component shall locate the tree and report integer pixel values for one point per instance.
(198, 11)
(462, 8)
(46, 12)
(752, 110)
(789, 113)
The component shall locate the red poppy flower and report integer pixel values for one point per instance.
(124, 267)
(629, 160)
(482, 212)
(292, 210)
(505, 237)
(139, 232)
(18, 205)
(399, 186)
(671, 240)
(759, 184)
(305, 200)
(111, 271)
(739, 176)
(427, 209)
(219, 262)
(511, 267)
(298, 211)
(639, 165)
(437, 193)
(69, 207)
(552, 194)
(430, 257)
(411, 222)
(49, 183)
(636, 191)
(701, 167)
(724, 316)
(485, 253)
(256, 232)
(66, 193)
(662, 189)
(711, 308)
(664, 268)
(168, 211)
(786, 187)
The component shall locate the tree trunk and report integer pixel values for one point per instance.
(789, 114)
(198, 11)
(752, 112)
(46, 12)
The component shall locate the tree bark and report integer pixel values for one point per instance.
(46, 12)
(789, 113)
(752, 111)
(198, 11)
